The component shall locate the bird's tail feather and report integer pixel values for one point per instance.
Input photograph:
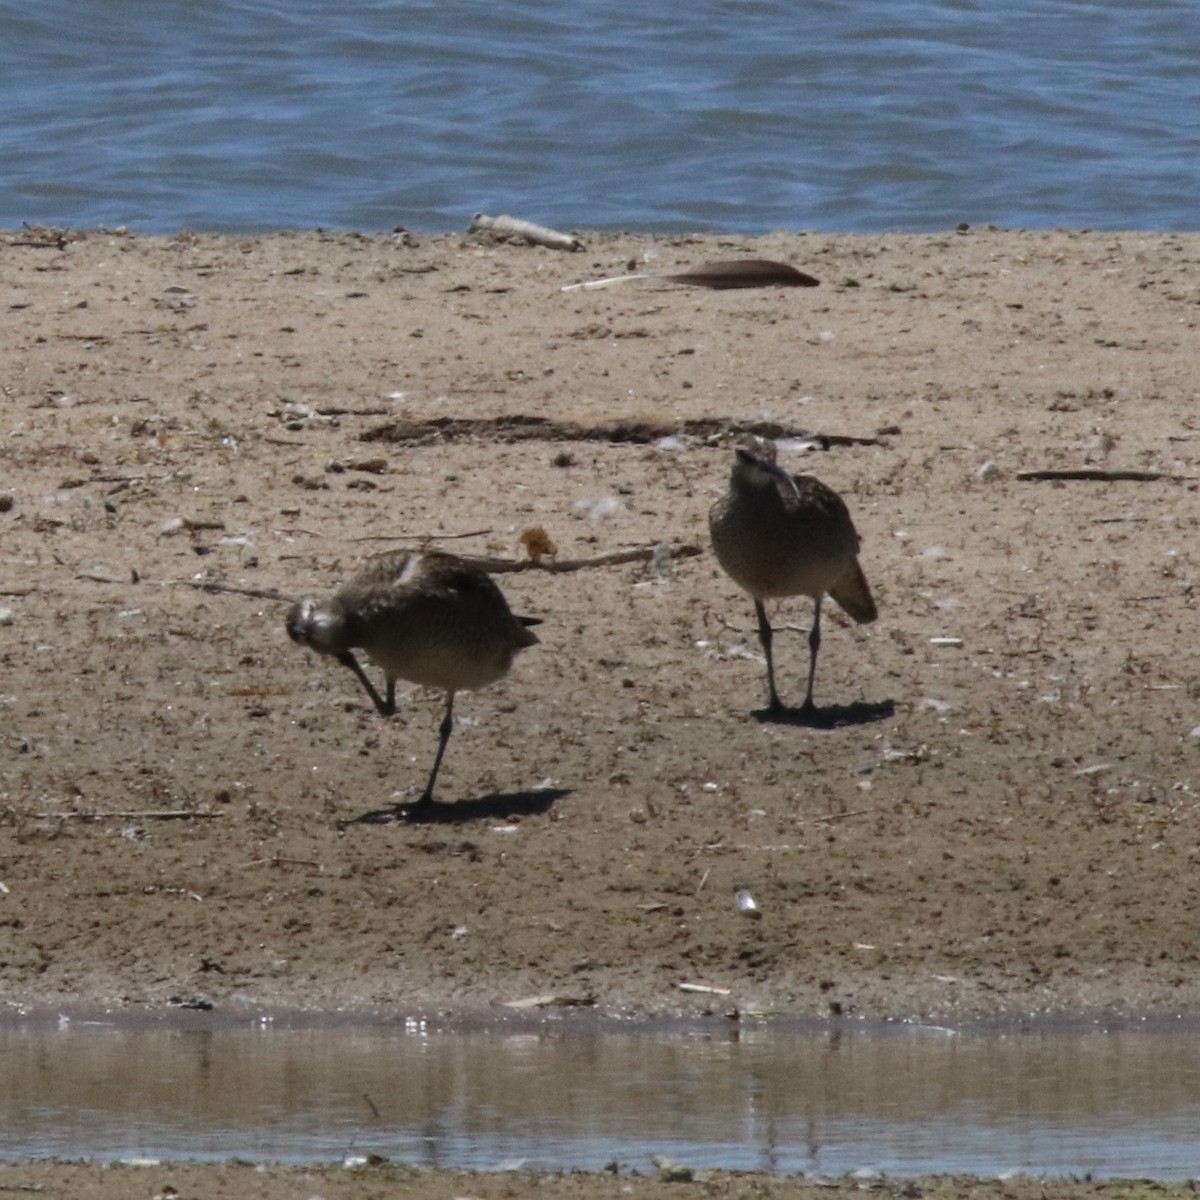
(853, 593)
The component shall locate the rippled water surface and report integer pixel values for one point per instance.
(819, 1100)
(737, 115)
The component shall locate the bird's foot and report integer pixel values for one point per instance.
(406, 810)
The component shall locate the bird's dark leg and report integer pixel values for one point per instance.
(444, 729)
(814, 644)
(386, 707)
(765, 636)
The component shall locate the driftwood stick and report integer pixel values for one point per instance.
(505, 226)
(500, 566)
(494, 566)
(1103, 475)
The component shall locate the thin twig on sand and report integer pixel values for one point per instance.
(168, 814)
(499, 566)
(278, 860)
(424, 538)
(214, 585)
(201, 585)
(494, 566)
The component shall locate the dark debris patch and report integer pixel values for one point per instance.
(520, 428)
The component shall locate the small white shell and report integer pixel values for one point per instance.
(747, 905)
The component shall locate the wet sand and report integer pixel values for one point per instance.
(246, 1181)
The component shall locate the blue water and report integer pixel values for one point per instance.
(732, 115)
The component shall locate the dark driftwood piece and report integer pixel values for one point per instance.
(737, 273)
(1102, 475)
(516, 427)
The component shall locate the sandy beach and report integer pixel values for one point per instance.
(997, 817)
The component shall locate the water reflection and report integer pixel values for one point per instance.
(577, 1095)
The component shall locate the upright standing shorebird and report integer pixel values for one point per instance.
(776, 535)
(428, 617)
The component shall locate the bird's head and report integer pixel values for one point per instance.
(755, 464)
(311, 624)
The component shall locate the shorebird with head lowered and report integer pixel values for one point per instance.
(777, 534)
(426, 617)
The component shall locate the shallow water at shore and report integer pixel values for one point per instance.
(580, 1094)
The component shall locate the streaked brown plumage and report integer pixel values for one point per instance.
(778, 535)
(429, 618)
